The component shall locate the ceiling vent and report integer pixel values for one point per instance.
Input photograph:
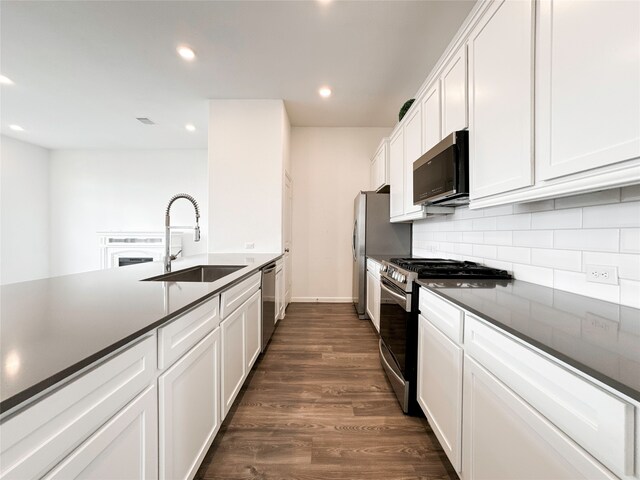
(145, 120)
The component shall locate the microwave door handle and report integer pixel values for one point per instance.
(353, 244)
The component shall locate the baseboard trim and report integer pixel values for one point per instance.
(322, 300)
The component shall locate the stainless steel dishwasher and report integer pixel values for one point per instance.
(268, 303)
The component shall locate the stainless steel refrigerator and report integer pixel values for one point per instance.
(374, 234)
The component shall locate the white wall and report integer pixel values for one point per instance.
(330, 166)
(246, 160)
(24, 211)
(120, 190)
(548, 242)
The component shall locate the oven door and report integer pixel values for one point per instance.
(395, 317)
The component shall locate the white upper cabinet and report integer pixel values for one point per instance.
(431, 117)
(501, 99)
(454, 93)
(412, 151)
(396, 173)
(587, 85)
(380, 166)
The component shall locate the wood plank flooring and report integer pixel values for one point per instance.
(318, 406)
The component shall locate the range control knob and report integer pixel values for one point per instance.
(402, 278)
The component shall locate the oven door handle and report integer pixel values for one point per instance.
(401, 299)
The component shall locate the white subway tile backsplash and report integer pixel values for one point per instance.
(595, 198)
(514, 222)
(630, 240)
(560, 259)
(497, 211)
(628, 265)
(484, 223)
(548, 242)
(530, 207)
(630, 194)
(630, 293)
(533, 238)
(485, 251)
(601, 240)
(514, 254)
(577, 283)
(473, 237)
(498, 238)
(529, 273)
(612, 216)
(557, 219)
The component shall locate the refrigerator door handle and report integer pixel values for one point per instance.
(353, 244)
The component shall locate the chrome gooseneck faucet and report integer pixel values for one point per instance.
(167, 226)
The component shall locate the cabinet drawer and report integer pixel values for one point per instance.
(599, 422)
(238, 294)
(447, 317)
(38, 437)
(373, 267)
(176, 338)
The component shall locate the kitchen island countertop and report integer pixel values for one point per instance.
(54, 327)
(600, 339)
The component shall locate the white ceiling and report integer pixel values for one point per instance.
(83, 70)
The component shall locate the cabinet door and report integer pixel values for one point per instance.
(253, 329)
(412, 151)
(500, 99)
(370, 295)
(376, 304)
(382, 166)
(189, 396)
(454, 93)
(505, 438)
(373, 174)
(124, 447)
(232, 358)
(431, 117)
(279, 294)
(396, 173)
(587, 77)
(439, 387)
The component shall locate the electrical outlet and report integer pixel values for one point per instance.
(602, 274)
(249, 245)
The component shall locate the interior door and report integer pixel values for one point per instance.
(288, 211)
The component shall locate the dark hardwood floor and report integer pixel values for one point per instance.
(318, 406)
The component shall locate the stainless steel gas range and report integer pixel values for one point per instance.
(399, 315)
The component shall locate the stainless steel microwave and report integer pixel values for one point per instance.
(441, 176)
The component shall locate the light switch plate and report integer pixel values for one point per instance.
(249, 245)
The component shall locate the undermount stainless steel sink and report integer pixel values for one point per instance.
(201, 273)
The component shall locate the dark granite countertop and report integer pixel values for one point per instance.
(598, 338)
(54, 327)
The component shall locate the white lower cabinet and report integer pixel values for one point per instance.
(505, 438)
(241, 341)
(253, 329)
(189, 406)
(232, 359)
(439, 387)
(123, 448)
(373, 299)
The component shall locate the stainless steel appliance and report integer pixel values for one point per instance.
(399, 315)
(268, 303)
(441, 176)
(374, 234)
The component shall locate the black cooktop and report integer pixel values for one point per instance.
(444, 268)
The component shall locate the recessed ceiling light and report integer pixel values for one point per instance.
(190, 127)
(5, 80)
(16, 128)
(325, 92)
(186, 52)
